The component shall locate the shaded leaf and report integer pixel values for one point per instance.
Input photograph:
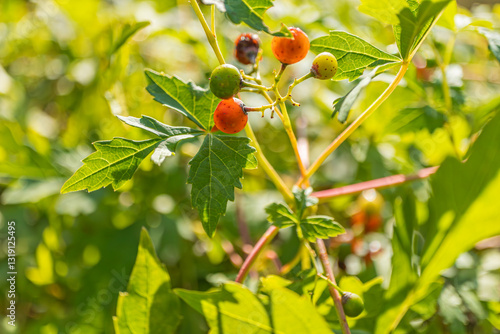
(128, 31)
(416, 119)
(215, 170)
(149, 306)
(192, 101)
(252, 12)
(322, 227)
(353, 54)
(493, 38)
(114, 162)
(280, 215)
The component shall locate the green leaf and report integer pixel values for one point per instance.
(386, 11)
(192, 101)
(353, 54)
(416, 119)
(463, 210)
(303, 200)
(414, 25)
(114, 162)
(252, 12)
(322, 227)
(215, 170)
(149, 306)
(128, 31)
(174, 135)
(233, 308)
(280, 215)
(493, 38)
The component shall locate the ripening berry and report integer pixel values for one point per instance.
(353, 304)
(246, 48)
(324, 66)
(225, 81)
(229, 116)
(290, 50)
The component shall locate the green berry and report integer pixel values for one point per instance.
(225, 81)
(353, 304)
(324, 66)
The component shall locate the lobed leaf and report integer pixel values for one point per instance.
(320, 227)
(353, 54)
(196, 103)
(280, 215)
(149, 306)
(215, 170)
(252, 12)
(114, 162)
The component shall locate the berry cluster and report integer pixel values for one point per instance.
(226, 81)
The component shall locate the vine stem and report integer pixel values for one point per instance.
(210, 34)
(337, 299)
(249, 261)
(354, 125)
(384, 182)
(267, 167)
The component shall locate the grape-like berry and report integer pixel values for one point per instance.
(353, 304)
(290, 50)
(225, 81)
(324, 66)
(246, 48)
(230, 116)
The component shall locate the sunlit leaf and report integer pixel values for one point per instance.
(128, 31)
(149, 306)
(353, 54)
(386, 11)
(252, 12)
(192, 101)
(320, 227)
(215, 171)
(114, 162)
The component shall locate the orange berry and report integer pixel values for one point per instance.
(290, 50)
(229, 116)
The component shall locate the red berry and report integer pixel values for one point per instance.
(290, 50)
(246, 48)
(229, 116)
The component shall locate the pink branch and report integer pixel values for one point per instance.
(384, 182)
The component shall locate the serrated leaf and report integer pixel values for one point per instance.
(303, 200)
(114, 162)
(128, 31)
(233, 308)
(463, 210)
(252, 13)
(493, 38)
(416, 119)
(215, 171)
(173, 135)
(149, 306)
(322, 227)
(414, 24)
(280, 215)
(196, 103)
(353, 54)
(386, 11)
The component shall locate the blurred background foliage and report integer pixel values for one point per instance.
(68, 67)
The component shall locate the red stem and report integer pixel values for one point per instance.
(264, 240)
(384, 182)
(337, 299)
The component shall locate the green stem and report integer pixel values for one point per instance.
(210, 34)
(354, 125)
(331, 284)
(268, 168)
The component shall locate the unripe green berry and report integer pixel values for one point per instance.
(225, 81)
(353, 304)
(324, 66)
